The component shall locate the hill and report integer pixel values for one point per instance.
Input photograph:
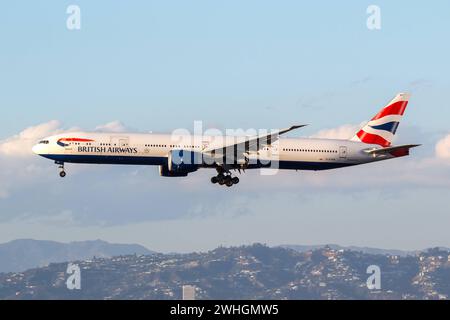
(249, 272)
(23, 254)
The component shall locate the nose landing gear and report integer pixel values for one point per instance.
(62, 173)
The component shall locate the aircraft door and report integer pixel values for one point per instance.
(123, 142)
(119, 141)
(343, 152)
(274, 149)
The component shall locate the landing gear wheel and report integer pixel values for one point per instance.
(62, 173)
(224, 178)
(221, 179)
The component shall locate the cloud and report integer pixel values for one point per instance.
(443, 148)
(18, 166)
(346, 131)
(114, 126)
(31, 190)
(424, 168)
(20, 145)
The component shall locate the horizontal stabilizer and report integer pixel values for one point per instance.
(396, 151)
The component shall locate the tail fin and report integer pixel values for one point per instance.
(381, 129)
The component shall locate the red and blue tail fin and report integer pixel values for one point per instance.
(381, 128)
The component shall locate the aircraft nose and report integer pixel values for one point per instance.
(36, 149)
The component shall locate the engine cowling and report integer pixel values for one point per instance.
(180, 163)
(164, 172)
(184, 161)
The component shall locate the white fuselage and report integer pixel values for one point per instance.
(179, 155)
(153, 149)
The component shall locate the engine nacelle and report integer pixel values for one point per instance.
(164, 172)
(183, 161)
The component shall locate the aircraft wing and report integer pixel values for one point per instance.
(397, 151)
(254, 143)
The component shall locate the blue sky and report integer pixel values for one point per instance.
(219, 62)
(158, 65)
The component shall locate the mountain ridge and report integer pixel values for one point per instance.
(22, 254)
(369, 250)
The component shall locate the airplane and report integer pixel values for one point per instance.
(180, 155)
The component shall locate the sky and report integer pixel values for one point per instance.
(157, 66)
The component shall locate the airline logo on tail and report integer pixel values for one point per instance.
(381, 129)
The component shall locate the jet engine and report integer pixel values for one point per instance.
(180, 163)
(164, 172)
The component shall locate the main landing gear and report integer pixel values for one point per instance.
(62, 173)
(224, 178)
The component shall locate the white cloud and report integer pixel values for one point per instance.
(114, 126)
(19, 166)
(346, 131)
(36, 177)
(20, 145)
(443, 148)
(35, 201)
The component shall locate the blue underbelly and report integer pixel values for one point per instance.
(107, 159)
(139, 160)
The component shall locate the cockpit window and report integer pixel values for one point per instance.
(43, 142)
